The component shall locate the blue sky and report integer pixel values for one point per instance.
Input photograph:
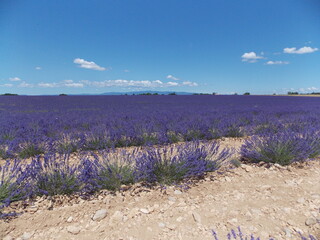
(224, 46)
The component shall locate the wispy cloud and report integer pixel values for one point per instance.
(126, 70)
(65, 83)
(277, 62)
(301, 90)
(129, 83)
(116, 83)
(172, 77)
(75, 85)
(302, 50)
(312, 88)
(38, 68)
(25, 85)
(135, 83)
(6, 85)
(172, 83)
(47, 85)
(190, 84)
(14, 79)
(250, 57)
(88, 65)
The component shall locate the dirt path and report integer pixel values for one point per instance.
(275, 202)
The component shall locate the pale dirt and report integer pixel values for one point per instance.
(268, 202)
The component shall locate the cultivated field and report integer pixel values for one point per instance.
(171, 167)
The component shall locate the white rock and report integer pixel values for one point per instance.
(227, 179)
(298, 230)
(27, 235)
(177, 192)
(100, 214)
(287, 232)
(247, 168)
(172, 199)
(8, 237)
(33, 209)
(179, 219)
(286, 210)
(196, 217)
(311, 221)
(233, 221)
(301, 200)
(255, 211)
(117, 216)
(144, 210)
(73, 229)
(70, 219)
(161, 224)
(279, 166)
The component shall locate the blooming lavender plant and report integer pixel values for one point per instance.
(170, 165)
(238, 235)
(13, 183)
(283, 148)
(109, 171)
(53, 176)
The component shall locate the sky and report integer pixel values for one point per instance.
(97, 46)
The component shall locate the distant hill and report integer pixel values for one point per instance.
(143, 92)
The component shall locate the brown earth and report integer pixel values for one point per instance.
(274, 202)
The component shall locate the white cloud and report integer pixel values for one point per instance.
(6, 85)
(190, 84)
(38, 68)
(47, 85)
(172, 83)
(172, 77)
(25, 85)
(312, 89)
(65, 83)
(126, 70)
(116, 83)
(124, 83)
(76, 85)
(88, 65)
(158, 81)
(135, 84)
(301, 90)
(277, 62)
(14, 79)
(302, 50)
(250, 57)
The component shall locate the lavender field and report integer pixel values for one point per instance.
(34, 125)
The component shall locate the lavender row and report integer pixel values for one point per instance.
(36, 125)
(54, 175)
(239, 235)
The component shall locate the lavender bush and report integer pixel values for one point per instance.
(53, 176)
(283, 148)
(107, 172)
(238, 235)
(170, 165)
(13, 183)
